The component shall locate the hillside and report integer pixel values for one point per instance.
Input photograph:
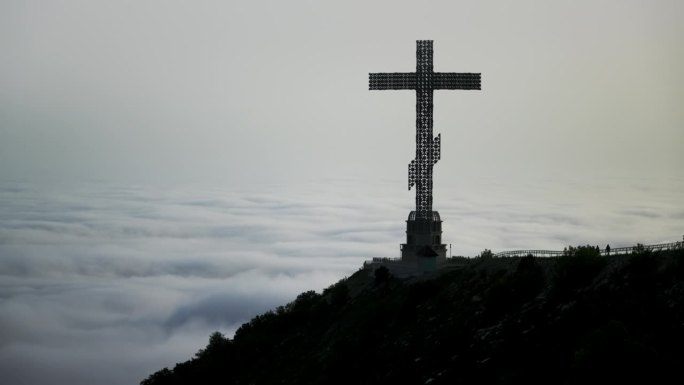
(576, 319)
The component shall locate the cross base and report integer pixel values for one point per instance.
(423, 240)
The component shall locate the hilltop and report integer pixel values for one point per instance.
(581, 318)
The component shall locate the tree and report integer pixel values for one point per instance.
(217, 342)
(486, 254)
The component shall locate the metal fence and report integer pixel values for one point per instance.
(605, 252)
(556, 253)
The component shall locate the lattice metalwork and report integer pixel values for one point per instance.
(428, 148)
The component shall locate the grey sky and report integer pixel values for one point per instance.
(261, 90)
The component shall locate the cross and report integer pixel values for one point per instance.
(424, 81)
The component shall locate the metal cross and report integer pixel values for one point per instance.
(424, 81)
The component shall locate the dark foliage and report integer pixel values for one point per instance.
(576, 269)
(381, 274)
(578, 319)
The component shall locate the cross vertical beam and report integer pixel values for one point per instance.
(424, 81)
(424, 140)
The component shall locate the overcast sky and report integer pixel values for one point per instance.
(237, 90)
(171, 168)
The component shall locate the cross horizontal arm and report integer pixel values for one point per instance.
(392, 81)
(455, 81)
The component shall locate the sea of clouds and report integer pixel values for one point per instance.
(105, 283)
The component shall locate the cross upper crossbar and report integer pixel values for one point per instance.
(409, 81)
(424, 78)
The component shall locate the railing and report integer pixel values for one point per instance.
(555, 253)
(379, 260)
(615, 251)
(523, 253)
(376, 261)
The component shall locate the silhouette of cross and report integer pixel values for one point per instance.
(424, 81)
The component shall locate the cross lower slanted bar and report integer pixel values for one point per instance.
(424, 81)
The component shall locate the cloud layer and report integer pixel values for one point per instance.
(105, 283)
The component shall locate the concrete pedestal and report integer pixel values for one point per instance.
(423, 241)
